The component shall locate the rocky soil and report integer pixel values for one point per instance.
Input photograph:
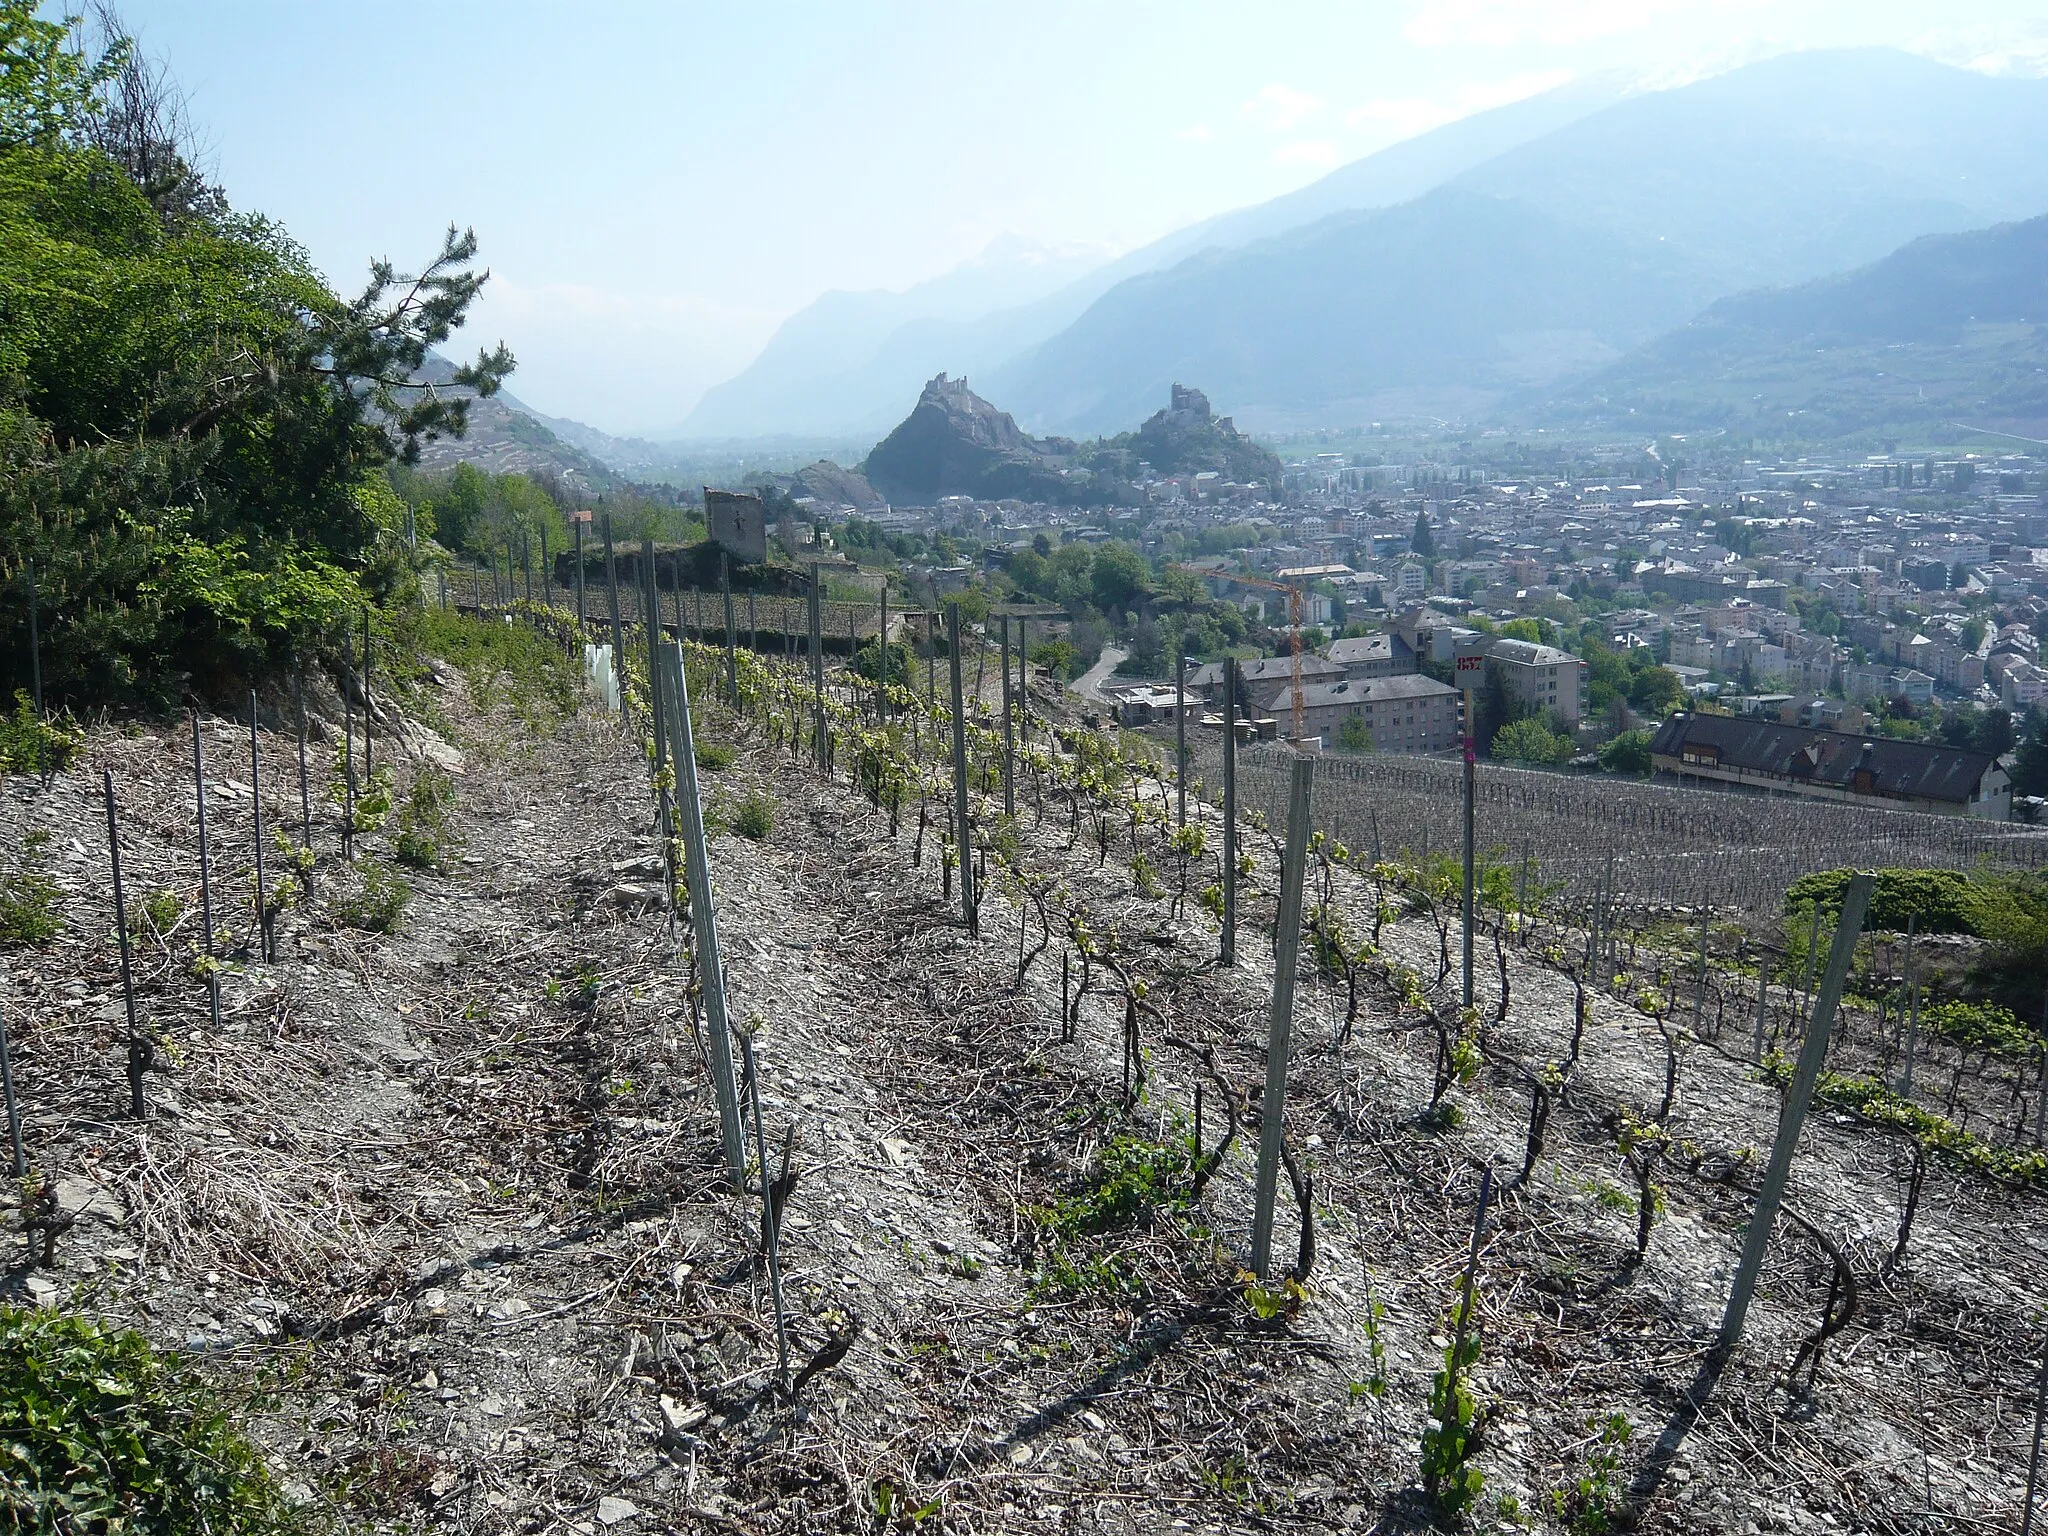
(444, 1207)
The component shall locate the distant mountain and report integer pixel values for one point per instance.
(1431, 308)
(1558, 254)
(842, 365)
(1949, 328)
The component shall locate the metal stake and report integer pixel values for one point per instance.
(1286, 946)
(1009, 735)
(140, 1051)
(732, 664)
(1812, 1051)
(1227, 955)
(704, 919)
(769, 1225)
(577, 526)
(1180, 731)
(964, 842)
(13, 1107)
(35, 638)
(256, 800)
(205, 868)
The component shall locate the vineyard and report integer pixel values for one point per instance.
(802, 1102)
(1649, 847)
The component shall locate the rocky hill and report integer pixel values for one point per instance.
(1186, 438)
(954, 443)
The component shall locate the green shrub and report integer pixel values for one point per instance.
(714, 755)
(1934, 900)
(1983, 1027)
(755, 817)
(102, 1433)
(425, 833)
(513, 665)
(31, 744)
(1628, 753)
(1531, 741)
(380, 901)
(28, 897)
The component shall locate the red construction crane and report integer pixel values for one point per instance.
(1293, 628)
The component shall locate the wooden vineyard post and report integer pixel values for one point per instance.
(1763, 999)
(1227, 954)
(140, 1051)
(1180, 732)
(305, 790)
(963, 840)
(1009, 733)
(547, 571)
(1024, 677)
(882, 658)
(1812, 1051)
(1699, 999)
(703, 917)
(651, 610)
(1280, 1029)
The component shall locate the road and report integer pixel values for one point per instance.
(1089, 683)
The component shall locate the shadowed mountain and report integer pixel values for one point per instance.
(1948, 328)
(1555, 255)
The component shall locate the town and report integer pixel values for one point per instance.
(1892, 598)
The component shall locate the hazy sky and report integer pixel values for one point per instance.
(657, 185)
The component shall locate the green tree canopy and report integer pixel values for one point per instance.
(193, 428)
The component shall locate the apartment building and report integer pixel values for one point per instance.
(1408, 714)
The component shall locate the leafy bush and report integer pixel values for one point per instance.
(28, 897)
(714, 756)
(377, 905)
(1935, 900)
(1983, 1027)
(425, 834)
(1529, 740)
(102, 1433)
(31, 744)
(513, 665)
(755, 817)
(903, 663)
(1628, 753)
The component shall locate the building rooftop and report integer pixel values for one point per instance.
(1917, 769)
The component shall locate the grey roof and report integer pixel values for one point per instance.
(1370, 690)
(1364, 648)
(1917, 769)
(1267, 669)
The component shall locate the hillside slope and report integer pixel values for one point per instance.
(1800, 165)
(460, 1184)
(1949, 328)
